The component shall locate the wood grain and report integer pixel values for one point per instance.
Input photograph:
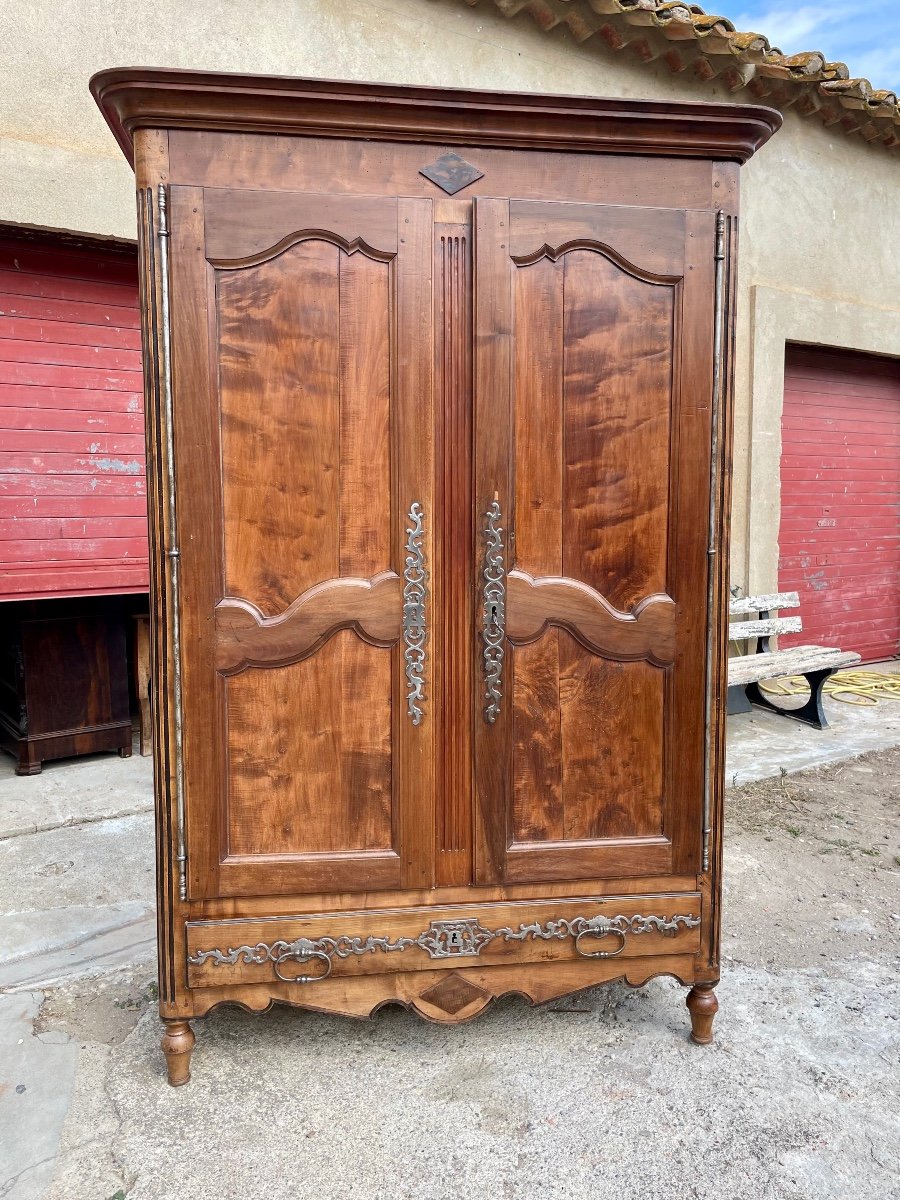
(647, 632)
(198, 100)
(206, 935)
(617, 399)
(590, 422)
(453, 558)
(646, 243)
(594, 365)
(245, 638)
(319, 353)
(280, 423)
(493, 430)
(537, 542)
(415, 475)
(364, 995)
(281, 767)
(617, 419)
(364, 479)
(238, 236)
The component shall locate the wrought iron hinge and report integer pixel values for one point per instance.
(172, 552)
(713, 527)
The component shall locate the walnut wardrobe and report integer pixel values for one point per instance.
(438, 436)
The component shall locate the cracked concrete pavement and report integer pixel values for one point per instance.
(799, 1099)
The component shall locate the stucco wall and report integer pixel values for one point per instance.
(819, 264)
(821, 210)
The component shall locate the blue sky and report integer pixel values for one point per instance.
(865, 34)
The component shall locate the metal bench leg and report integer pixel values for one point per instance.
(737, 700)
(810, 713)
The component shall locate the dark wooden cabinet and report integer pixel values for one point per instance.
(439, 430)
(63, 683)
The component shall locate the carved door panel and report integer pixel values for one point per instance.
(303, 438)
(593, 389)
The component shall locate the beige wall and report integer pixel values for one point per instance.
(819, 264)
(821, 222)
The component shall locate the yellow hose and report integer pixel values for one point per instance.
(850, 687)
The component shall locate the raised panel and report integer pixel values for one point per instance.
(314, 776)
(304, 379)
(600, 617)
(317, 465)
(236, 231)
(617, 337)
(592, 391)
(304, 350)
(646, 241)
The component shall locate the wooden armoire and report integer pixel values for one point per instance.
(438, 434)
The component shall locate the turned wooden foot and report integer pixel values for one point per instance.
(703, 1006)
(177, 1043)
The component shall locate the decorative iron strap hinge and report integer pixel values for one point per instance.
(415, 629)
(493, 613)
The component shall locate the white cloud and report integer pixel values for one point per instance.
(789, 28)
(862, 33)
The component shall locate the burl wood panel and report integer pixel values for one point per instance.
(304, 365)
(593, 363)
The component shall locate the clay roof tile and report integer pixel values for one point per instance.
(742, 59)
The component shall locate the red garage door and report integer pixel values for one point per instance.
(840, 499)
(73, 518)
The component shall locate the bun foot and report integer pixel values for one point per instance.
(703, 1006)
(177, 1043)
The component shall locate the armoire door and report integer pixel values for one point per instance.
(593, 400)
(303, 458)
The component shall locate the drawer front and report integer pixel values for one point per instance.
(303, 949)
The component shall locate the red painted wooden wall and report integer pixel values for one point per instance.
(840, 499)
(73, 515)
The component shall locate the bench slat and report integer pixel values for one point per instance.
(749, 604)
(751, 668)
(738, 630)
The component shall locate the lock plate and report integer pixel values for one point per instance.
(455, 939)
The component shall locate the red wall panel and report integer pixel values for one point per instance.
(840, 499)
(73, 509)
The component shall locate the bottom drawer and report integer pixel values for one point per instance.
(303, 949)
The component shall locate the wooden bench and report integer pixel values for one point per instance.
(746, 672)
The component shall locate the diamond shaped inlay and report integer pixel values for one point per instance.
(451, 173)
(453, 993)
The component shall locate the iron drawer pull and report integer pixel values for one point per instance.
(600, 933)
(414, 615)
(493, 614)
(300, 953)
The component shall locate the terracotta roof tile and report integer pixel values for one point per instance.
(685, 37)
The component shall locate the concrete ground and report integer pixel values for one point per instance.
(799, 1099)
(762, 744)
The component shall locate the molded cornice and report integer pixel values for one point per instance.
(140, 98)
